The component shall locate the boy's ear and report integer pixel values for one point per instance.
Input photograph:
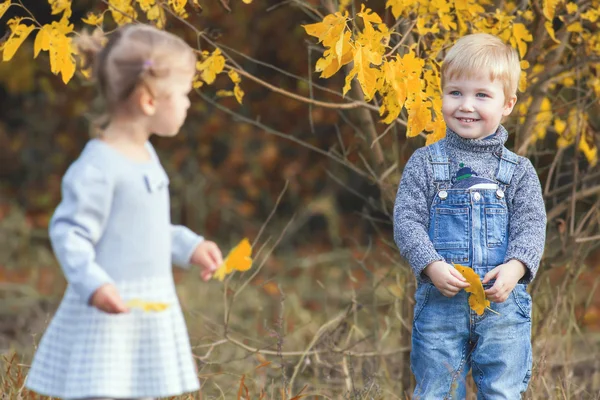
(146, 102)
(510, 104)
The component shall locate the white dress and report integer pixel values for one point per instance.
(113, 226)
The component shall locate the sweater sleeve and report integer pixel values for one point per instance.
(411, 215)
(183, 244)
(77, 226)
(527, 226)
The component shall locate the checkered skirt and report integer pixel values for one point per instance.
(88, 353)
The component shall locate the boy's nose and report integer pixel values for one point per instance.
(466, 105)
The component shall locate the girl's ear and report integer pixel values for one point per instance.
(146, 102)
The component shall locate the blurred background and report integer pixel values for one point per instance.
(326, 309)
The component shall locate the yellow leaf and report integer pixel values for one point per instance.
(238, 93)
(18, 34)
(238, 259)
(58, 6)
(4, 6)
(42, 40)
(572, 8)
(591, 15)
(366, 76)
(179, 7)
(575, 27)
(211, 66)
(147, 306)
(477, 300)
(93, 19)
(439, 132)
(520, 35)
(589, 149)
(344, 4)
(550, 30)
(247, 1)
(122, 11)
(234, 76)
(559, 126)
(549, 7)
(419, 115)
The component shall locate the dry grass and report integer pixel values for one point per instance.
(338, 327)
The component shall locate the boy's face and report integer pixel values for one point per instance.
(473, 107)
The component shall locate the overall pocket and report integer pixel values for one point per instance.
(451, 233)
(496, 223)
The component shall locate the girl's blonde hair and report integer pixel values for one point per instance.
(133, 55)
(482, 52)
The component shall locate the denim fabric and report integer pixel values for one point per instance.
(469, 227)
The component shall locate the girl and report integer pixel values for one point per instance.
(113, 237)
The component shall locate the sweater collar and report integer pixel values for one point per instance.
(490, 144)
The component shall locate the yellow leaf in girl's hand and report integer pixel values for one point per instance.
(238, 259)
(147, 306)
(477, 300)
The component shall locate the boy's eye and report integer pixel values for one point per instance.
(454, 93)
(482, 95)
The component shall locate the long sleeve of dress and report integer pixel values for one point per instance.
(183, 244)
(527, 227)
(411, 215)
(77, 226)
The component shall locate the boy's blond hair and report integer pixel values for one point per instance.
(482, 52)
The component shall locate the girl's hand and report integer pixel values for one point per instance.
(507, 276)
(446, 278)
(208, 257)
(106, 298)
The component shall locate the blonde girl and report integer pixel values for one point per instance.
(113, 237)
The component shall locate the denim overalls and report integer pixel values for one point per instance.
(469, 226)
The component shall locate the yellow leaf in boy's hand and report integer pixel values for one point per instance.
(477, 300)
(147, 306)
(238, 259)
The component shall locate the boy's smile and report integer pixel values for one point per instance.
(473, 107)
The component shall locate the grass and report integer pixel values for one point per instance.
(337, 326)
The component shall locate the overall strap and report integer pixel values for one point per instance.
(440, 163)
(506, 167)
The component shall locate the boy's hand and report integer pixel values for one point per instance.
(208, 257)
(106, 298)
(507, 276)
(446, 278)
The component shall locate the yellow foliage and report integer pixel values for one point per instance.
(344, 4)
(179, 7)
(18, 34)
(477, 300)
(238, 259)
(53, 38)
(549, 8)
(212, 65)
(334, 35)
(122, 11)
(520, 35)
(58, 6)
(92, 19)
(572, 8)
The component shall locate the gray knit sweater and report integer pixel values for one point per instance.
(527, 221)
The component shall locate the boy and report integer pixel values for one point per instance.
(468, 200)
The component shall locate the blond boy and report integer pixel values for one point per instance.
(468, 200)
